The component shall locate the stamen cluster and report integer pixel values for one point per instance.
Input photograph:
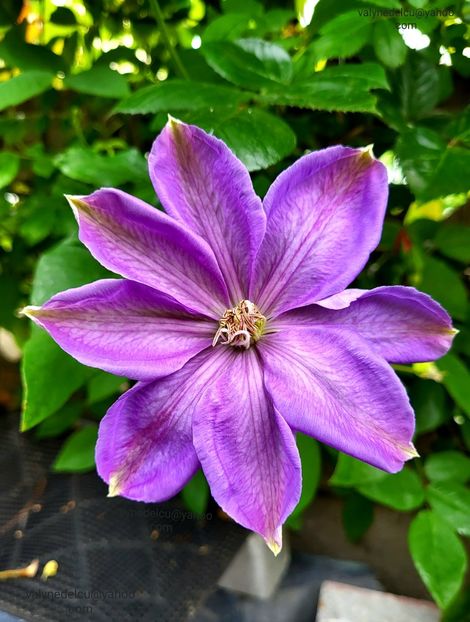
(241, 326)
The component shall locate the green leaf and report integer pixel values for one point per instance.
(172, 96)
(251, 63)
(438, 555)
(456, 380)
(93, 168)
(418, 86)
(9, 167)
(343, 87)
(459, 609)
(23, 87)
(449, 465)
(429, 403)
(258, 138)
(465, 432)
(77, 454)
(451, 501)
(402, 491)
(39, 223)
(419, 150)
(459, 128)
(196, 494)
(59, 422)
(461, 341)
(61, 268)
(372, 75)
(311, 470)
(432, 167)
(451, 173)
(443, 283)
(99, 80)
(42, 162)
(343, 36)
(358, 516)
(226, 28)
(273, 21)
(15, 52)
(254, 8)
(454, 241)
(10, 292)
(102, 385)
(276, 61)
(50, 376)
(350, 472)
(389, 46)
(386, 4)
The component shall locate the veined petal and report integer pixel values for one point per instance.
(331, 386)
(202, 184)
(137, 241)
(145, 450)
(247, 451)
(400, 323)
(325, 216)
(124, 327)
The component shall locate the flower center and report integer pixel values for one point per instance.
(241, 326)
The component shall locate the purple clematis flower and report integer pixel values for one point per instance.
(234, 318)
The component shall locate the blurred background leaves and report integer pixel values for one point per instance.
(84, 88)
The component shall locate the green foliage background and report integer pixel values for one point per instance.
(86, 86)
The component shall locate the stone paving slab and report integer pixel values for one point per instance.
(340, 602)
(296, 598)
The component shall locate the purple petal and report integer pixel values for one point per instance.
(202, 184)
(400, 323)
(137, 241)
(247, 451)
(330, 385)
(124, 327)
(341, 300)
(325, 216)
(145, 450)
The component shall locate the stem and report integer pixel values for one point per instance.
(160, 19)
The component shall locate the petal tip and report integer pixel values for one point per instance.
(31, 311)
(274, 542)
(367, 152)
(114, 489)
(173, 122)
(77, 204)
(274, 547)
(410, 452)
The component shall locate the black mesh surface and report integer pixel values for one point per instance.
(118, 560)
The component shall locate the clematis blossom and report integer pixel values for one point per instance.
(232, 315)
